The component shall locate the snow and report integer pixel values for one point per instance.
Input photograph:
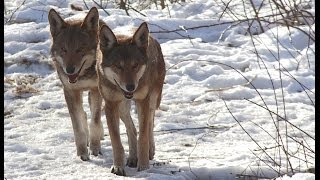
(196, 133)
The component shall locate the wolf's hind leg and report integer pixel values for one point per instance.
(151, 138)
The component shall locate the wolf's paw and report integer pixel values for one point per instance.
(118, 170)
(143, 167)
(82, 151)
(132, 162)
(94, 150)
(85, 157)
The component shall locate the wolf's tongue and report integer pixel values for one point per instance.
(73, 78)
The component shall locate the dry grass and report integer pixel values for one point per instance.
(22, 84)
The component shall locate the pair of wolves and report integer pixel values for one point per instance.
(88, 56)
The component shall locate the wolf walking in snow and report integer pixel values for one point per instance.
(130, 67)
(73, 51)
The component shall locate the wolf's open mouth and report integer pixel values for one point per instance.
(128, 95)
(73, 78)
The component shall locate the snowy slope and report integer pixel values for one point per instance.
(208, 70)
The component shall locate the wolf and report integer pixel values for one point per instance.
(130, 68)
(73, 51)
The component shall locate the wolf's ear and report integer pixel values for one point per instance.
(107, 38)
(91, 21)
(141, 36)
(55, 21)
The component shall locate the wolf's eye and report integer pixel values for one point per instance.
(63, 50)
(135, 66)
(119, 67)
(80, 51)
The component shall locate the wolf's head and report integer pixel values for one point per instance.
(124, 58)
(74, 43)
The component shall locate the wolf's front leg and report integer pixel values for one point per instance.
(144, 115)
(125, 116)
(112, 114)
(96, 128)
(78, 119)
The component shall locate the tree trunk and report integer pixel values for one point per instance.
(162, 4)
(122, 4)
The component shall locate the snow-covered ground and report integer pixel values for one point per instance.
(206, 92)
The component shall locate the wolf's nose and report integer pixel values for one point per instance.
(70, 70)
(130, 87)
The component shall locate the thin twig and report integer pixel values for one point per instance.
(227, 88)
(85, 4)
(101, 7)
(248, 133)
(15, 11)
(136, 10)
(282, 118)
